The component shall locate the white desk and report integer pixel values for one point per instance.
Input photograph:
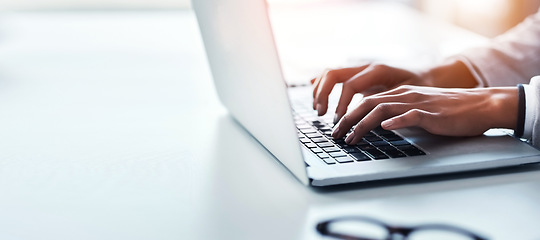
(110, 128)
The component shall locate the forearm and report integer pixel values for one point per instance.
(451, 74)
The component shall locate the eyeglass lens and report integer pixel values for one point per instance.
(431, 234)
(372, 230)
(360, 229)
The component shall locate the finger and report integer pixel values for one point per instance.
(348, 120)
(374, 118)
(411, 118)
(378, 78)
(373, 110)
(345, 99)
(399, 90)
(326, 83)
(316, 83)
(324, 88)
(367, 105)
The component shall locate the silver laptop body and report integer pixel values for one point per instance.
(246, 70)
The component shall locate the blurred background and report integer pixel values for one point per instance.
(486, 17)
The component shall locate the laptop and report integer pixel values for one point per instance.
(248, 77)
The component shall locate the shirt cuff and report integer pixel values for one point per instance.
(530, 114)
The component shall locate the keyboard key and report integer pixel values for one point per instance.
(319, 140)
(383, 132)
(303, 126)
(338, 154)
(351, 149)
(400, 142)
(362, 143)
(345, 159)
(323, 155)
(317, 122)
(311, 145)
(372, 138)
(376, 154)
(342, 145)
(366, 147)
(369, 134)
(378, 129)
(317, 150)
(380, 143)
(393, 138)
(329, 160)
(313, 135)
(308, 130)
(304, 140)
(386, 148)
(395, 154)
(406, 147)
(324, 128)
(331, 149)
(414, 153)
(359, 156)
(325, 144)
(327, 133)
(411, 150)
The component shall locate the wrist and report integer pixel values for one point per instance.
(503, 107)
(451, 74)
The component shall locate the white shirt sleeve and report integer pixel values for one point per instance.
(532, 111)
(509, 59)
(531, 105)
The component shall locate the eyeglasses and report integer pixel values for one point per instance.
(364, 228)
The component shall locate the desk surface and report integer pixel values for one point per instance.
(111, 129)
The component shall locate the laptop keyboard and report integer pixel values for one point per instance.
(315, 134)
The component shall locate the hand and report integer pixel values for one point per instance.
(366, 79)
(442, 111)
(373, 78)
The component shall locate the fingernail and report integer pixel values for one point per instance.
(319, 109)
(349, 138)
(336, 118)
(335, 132)
(387, 123)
